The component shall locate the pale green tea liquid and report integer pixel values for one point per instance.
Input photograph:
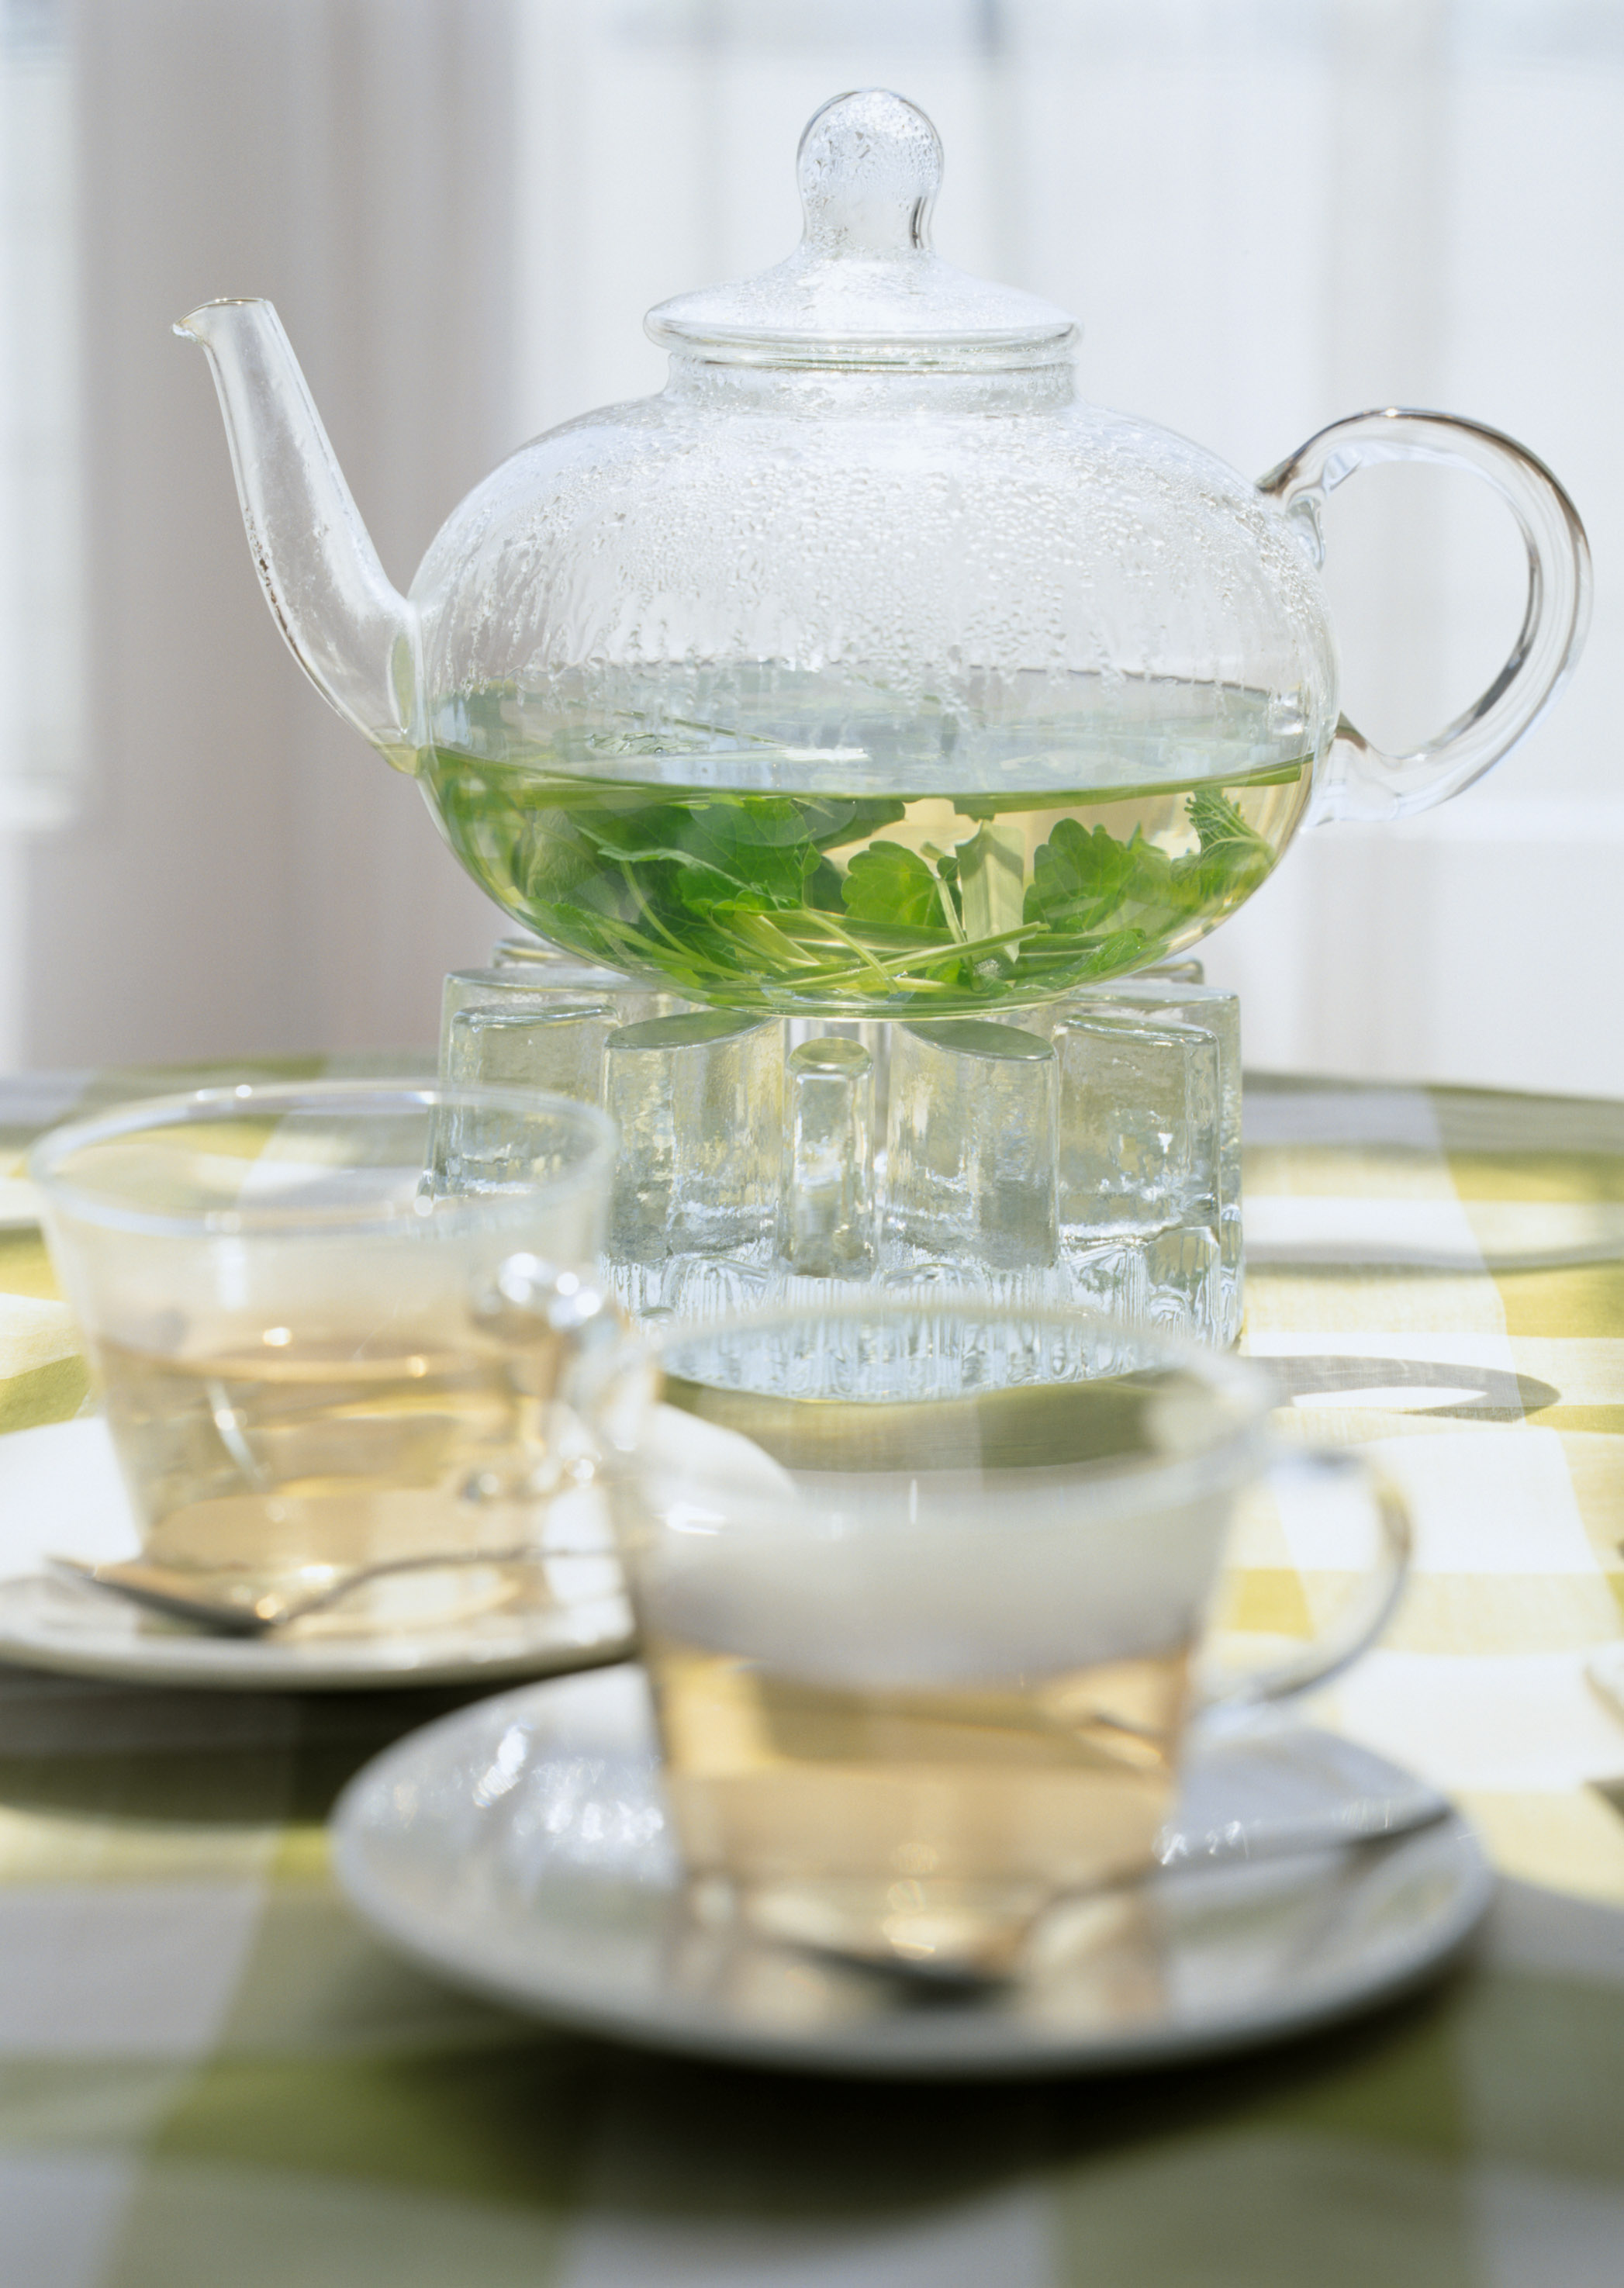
(889, 866)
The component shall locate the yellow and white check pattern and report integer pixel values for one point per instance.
(209, 2075)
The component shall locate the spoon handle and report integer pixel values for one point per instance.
(164, 1589)
(1355, 1819)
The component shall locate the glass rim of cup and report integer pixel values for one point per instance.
(50, 1155)
(1243, 1391)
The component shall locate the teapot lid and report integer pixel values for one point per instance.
(863, 288)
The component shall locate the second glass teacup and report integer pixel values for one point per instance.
(921, 1587)
(293, 1302)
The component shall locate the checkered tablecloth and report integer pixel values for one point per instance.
(209, 2075)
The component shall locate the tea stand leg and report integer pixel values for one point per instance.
(697, 1098)
(826, 1194)
(970, 1144)
(1178, 992)
(558, 1048)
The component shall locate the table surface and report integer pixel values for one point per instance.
(209, 2073)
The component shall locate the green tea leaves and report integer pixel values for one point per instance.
(1078, 876)
(1083, 882)
(764, 853)
(833, 822)
(756, 898)
(1219, 826)
(886, 882)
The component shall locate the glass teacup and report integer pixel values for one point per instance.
(921, 1588)
(311, 1358)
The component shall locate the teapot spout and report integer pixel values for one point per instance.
(354, 637)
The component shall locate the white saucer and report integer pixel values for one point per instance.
(60, 1491)
(521, 1847)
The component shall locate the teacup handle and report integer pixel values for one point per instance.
(1370, 1612)
(1357, 780)
(556, 1321)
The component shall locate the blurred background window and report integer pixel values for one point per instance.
(42, 665)
(1265, 214)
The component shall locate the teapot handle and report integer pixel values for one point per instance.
(1358, 780)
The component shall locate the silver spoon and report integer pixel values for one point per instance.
(241, 1611)
(1356, 1821)
(1353, 1819)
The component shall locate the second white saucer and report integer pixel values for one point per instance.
(61, 1489)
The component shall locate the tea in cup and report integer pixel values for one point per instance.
(921, 1587)
(292, 1300)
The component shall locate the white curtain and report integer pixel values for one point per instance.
(1266, 213)
(42, 625)
(245, 874)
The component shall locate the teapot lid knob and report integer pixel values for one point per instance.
(869, 167)
(863, 289)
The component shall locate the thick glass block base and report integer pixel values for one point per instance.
(1087, 1151)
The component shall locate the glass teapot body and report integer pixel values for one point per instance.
(890, 692)
(867, 669)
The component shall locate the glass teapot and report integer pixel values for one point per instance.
(867, 668)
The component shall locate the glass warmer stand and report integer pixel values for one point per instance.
(1088, 1151)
